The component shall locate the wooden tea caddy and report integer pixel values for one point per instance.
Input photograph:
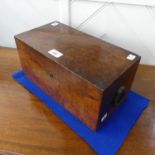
(86, 75)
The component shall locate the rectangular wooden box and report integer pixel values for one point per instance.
(86, 75)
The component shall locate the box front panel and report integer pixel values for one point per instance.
(77, 95)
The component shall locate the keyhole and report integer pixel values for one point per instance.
(51, 75)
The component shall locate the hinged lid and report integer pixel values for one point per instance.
(93, 59)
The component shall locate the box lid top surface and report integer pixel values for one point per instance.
(92, 59)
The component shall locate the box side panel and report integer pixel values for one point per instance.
(117, 93)
(78, 96)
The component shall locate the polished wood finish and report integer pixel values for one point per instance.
(86, 79)
(28, 127)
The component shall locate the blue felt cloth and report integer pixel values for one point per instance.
(106, 141)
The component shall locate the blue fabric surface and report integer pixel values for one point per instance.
(106, 141)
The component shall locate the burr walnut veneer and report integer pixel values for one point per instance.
(87, 76)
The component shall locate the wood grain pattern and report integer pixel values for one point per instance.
(28, 127)
(67, 89)
(3, 152)
(86, 79)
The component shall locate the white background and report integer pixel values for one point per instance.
(126, 23)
